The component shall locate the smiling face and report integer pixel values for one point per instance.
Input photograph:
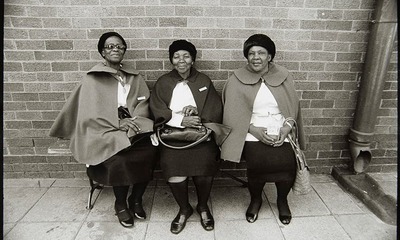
(258, 59)
(113, 51)
(182, 61)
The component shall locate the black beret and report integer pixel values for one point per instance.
(259, 40)
(103, 38)
(182, 45)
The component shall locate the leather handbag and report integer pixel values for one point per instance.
(191, 136)
(144, 123)
(302, 183)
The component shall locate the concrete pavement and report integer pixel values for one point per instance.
(56, 209)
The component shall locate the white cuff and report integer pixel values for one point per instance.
(176, 120)
(288, 123)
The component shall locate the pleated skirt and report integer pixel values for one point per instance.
(200, 160)
(132, 165)
(269, 164)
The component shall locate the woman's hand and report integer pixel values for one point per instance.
(190, 111)
(283, 133)
(192, 121)
(261, 134)
(127, 123)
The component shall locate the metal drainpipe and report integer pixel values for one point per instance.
(380, 46)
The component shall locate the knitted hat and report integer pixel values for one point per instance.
(182, 45)
(259, 40)
(103, 38)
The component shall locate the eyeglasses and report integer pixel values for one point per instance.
(112, 46)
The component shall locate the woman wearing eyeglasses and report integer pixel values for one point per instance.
(107, 121)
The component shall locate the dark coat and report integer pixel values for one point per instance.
(209, 103)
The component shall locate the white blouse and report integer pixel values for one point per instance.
(266, 113)
(181, 97)
(123, 89)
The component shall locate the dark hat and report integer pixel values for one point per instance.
(182, 45)
(259, 40)
(103, 38)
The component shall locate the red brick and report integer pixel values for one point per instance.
(17, 124)
(57, 23)
(37, 87)
(172, 22)
(21, 150)
(30, 45)
(42, 124)
(61, 174)
(331, 86)
(13, 87)
(19, 142)
(72, 34)
(36, 175)
(36, 67)
(12, 66)
(217, 11)
(43, 34)
(330, 14)
(230, 23)
(49, 77)
(149, 65)
(64, 66)
(46, 55)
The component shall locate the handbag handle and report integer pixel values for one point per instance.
(185, 146)
(294, 141)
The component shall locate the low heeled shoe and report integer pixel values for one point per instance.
(124, 218)
(206, 219)
(285, 215)
(137, 210)
(179, 222)
(251, 217)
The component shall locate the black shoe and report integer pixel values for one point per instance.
(124, 217)
(179, 222)
(137, 210)
(252, 211)
(206, 219)
(285, 216)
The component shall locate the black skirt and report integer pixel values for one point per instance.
(200, 160)
(269, 164)
(132, 165)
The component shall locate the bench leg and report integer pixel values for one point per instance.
(244, 183)
(93, 186)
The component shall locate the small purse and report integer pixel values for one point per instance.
(191, 136)
(302, 183)
(123, 112)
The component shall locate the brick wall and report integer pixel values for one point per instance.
(50, 44)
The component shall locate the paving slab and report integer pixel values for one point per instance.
(59, 205)
(7, 228)
(314, 228)
(111, 231)
(193, 230)
(262, 229)
(338, 201)
(230, 203)
(18, 201)
(28, 182)
(44, 231)
(366, 226)
(300, 205)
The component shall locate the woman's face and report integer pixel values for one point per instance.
(182, 61)
(258, 59)
(113, 50)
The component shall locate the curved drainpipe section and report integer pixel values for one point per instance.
(380, 46)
